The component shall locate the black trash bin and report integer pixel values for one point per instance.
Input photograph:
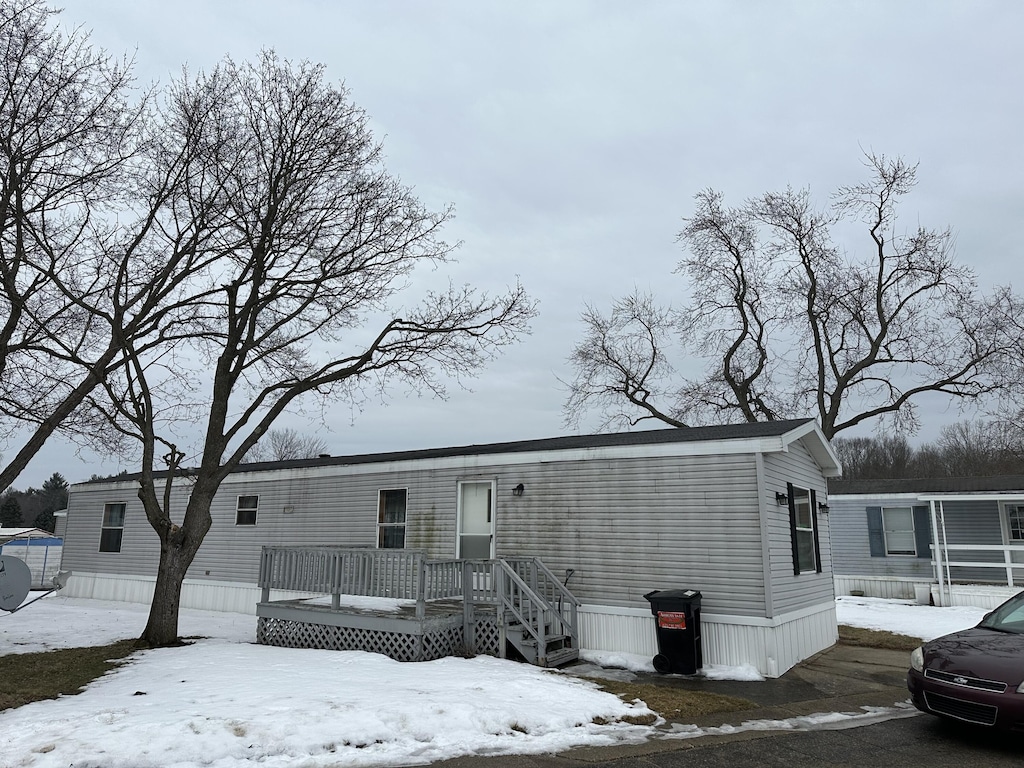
(677, 617)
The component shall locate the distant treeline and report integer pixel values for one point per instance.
(34, 508)
(963, 449)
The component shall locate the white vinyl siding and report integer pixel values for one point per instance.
(792, 592)
(624, 526)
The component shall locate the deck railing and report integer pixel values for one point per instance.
(1011, 559)
(523, 586)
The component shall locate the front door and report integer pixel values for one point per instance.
(476, 520)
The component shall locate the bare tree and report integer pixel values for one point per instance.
(314, 243)
(980, 448)
(284, 444)
(788, 324)
(876, 457)
(82, 177)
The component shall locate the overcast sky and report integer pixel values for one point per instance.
(572, 136)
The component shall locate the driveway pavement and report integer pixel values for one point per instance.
(842, 679)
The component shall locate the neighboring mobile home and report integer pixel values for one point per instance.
(884, 535)
(737, 512)
(41, 551)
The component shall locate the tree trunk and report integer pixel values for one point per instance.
(162, 627)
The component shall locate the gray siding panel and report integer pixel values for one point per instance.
(793, 592)
(624, 526)
(851, 541)
(966, 522)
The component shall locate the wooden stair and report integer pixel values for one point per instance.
(558, 650)
(537, 615)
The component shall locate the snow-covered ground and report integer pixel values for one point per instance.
(224, 702)
(905, 617)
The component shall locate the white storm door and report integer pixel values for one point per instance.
(476, 521)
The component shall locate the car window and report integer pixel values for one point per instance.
(1009, 617)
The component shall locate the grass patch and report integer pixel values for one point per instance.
(29, 677)
(674, 703)
(876, 638)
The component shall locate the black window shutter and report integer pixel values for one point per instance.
(923, 532)
(876, 535)
(792, 529)
(814, 526)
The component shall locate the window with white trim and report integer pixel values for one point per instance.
(112, 528)
(245, 511)
(898, 526)
(1015, 521)
(391, 518)
(803, 530)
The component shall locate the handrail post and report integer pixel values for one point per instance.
(468, 607)
(499, 576)
(421, 570)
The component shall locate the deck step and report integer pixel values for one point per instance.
(561, 657)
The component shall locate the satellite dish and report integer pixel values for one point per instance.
(15, 582)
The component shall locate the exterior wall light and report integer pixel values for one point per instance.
(781, 498)
(518, 490)
(823, 507)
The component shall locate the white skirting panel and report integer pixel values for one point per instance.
(890, 588)
(230, 597)
(977, 595)
(772, 646)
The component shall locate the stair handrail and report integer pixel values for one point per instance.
(536, 628)
(563, 594)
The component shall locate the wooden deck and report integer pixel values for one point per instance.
(412, 609)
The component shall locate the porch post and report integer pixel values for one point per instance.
(938, 553)
(468, 604)
(499, 578)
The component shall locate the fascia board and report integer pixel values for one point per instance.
(821, 449)
(470, 462)
(979, 496)
(873, 496)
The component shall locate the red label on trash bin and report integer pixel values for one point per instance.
(671, 619)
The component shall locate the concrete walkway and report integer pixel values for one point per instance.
(840, 679)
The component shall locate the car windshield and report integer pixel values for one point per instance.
(1008, 617)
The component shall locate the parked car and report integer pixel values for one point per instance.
(976, 675)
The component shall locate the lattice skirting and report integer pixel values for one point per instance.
(434, 644)
(487, 637)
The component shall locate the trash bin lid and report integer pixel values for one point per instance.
(673, 594)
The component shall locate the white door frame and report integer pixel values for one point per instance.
(492, 513)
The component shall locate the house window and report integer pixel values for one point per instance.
(112, 528)
(245, 513)
(803, 530)
(898, 524)
(391, 519)
(1015, 521)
